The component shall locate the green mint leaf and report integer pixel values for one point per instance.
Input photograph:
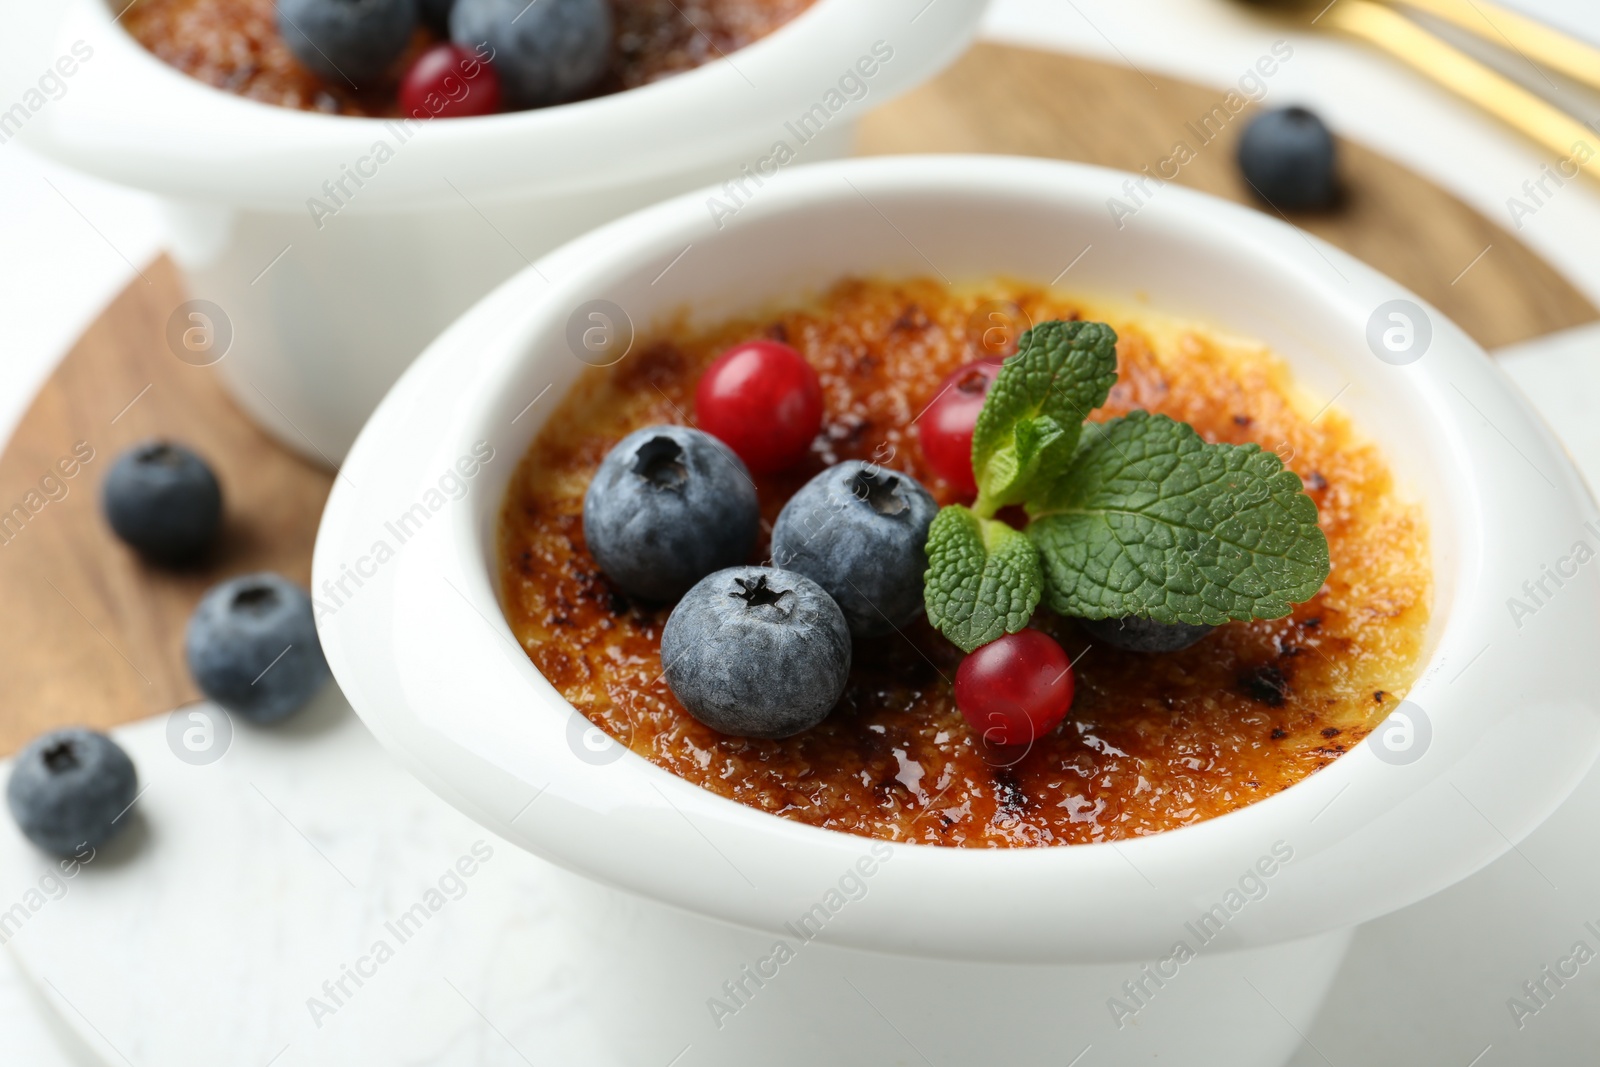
(1152, 521)
(1033, 416)
(983, 578)
(1037, 443)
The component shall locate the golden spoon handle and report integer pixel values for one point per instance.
(1545, 123)
(1535, 41)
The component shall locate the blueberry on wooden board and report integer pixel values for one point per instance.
(163, 501)
(1288, 157)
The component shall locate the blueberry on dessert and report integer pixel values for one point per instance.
(163, 501)
(349, 42)
(70, 788)
(757, 652)
(860, 532)
(435, 14)
(1134, 634)
(545, 52)
(668, 506)
(252, 647)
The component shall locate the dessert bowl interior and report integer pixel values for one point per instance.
(416, 637)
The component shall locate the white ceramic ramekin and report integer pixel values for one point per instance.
(1019, 956)
(327, 309)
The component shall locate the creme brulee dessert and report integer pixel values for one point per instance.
(423, 58)
(1149, 740)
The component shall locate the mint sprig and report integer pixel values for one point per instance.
(1033, 416)
(1138, 516)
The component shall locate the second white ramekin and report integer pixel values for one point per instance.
(324, 310)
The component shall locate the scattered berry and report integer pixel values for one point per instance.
(348, 42)
(545, 53)
(764, 400)
(945, 429)
(68, 789)
(668, 506)
(861, 533)
(252, 647)
(435, 14)
(448, 81)
(163, 501)
(1016, 689)
(1288, 157)
(757, 652)
(1134, 634)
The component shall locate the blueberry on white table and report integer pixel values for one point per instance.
(68, 789)
(1288, 157)
(163, 501)
(860, 532)
(252, 647)
(668, 506)
(757, 652)
(348, 42)
(545, 53)
(1134, 634)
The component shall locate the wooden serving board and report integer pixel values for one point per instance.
(1011, 100)
(96, 636)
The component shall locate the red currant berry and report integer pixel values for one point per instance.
(764, 401)
(1016, 689)
(946, 427)
(448, 81)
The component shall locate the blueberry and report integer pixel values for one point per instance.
(252, 646)
(436, 13)
(1134, 634)
(347, 41)
(1288, 157)
(69, 788)
(545, 52)
(757, 652)
(860, 532)
(668, 506)
(163, 501)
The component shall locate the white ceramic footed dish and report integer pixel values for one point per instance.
(330, 250)
(945, 944)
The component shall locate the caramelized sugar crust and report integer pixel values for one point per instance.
(1151, 742)
(234, 45)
